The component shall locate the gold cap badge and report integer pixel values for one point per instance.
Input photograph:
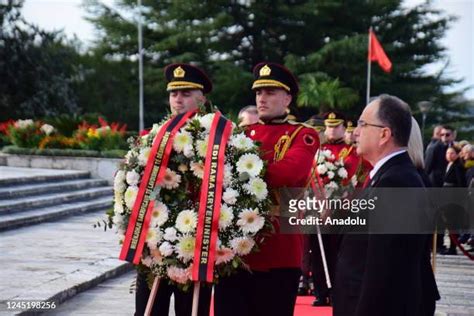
(331, 116)
(265, 71)
(179, 72)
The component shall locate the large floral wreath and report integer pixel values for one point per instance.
(170, 242)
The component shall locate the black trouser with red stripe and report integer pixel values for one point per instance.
(271, 293)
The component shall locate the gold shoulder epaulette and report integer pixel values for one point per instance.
(302, 124)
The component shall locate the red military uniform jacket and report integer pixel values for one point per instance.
(288, 167)
(354, 164)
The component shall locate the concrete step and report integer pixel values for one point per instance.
(112, 297)
(15, 175)
(24, 203)
(55, 261)
(23, 190)
(36, 216)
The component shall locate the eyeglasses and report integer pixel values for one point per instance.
(446, 134)
(362, 123)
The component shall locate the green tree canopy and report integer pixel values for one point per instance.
(227, 38)
(37, 69)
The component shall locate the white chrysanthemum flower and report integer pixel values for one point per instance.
(186, 221)
(250, 221)
(159, 215)
(322, 169)
(155, 129)
(170, 234)
(342, 173)
(118, 205)
(185, 247)
(182, 140)
(225, 217)
(332, 185)
(119, 182)
(118, 219)
(171, 180)
(258, 188)
(330, 165)
(240, 141)
(143, 156)
(327, 153)
(331, 174)
(119, 176)
(251, 164)
(24, 123)
(198, 169)
(166, 249)
(227, 175)
(201, 146)
(144, 138)
(206, 121)
(178, 275)
(242, 245)
(130, 196)
(230, 196)
(133, 177)
(153, 236)
(47, 129)
(188, 151)
(224, 255)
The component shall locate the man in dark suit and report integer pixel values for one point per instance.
(435, 161)
(435, 167)
(383, 274)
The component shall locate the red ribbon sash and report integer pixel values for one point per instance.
(155, 169)
(210, 200)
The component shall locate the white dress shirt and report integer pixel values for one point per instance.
(382, 161)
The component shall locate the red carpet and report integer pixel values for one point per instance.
(303, 307)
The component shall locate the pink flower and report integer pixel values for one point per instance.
(224, 255)
(178, 275)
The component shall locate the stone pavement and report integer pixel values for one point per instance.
(112, 297)
(72, 263)
(49, 249)
(455, 277)
(54, 261)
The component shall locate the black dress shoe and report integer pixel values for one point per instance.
(303, 291)
(323, 301)
(451, 252)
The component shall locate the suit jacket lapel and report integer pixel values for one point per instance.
(389, 163)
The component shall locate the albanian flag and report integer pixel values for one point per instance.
(376, 53)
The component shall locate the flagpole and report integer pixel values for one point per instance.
(141, 123)
(368, 69)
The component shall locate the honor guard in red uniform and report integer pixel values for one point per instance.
(335, 124)
(271, 284)
(187, 86)
(336, 128)
(349, 134)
